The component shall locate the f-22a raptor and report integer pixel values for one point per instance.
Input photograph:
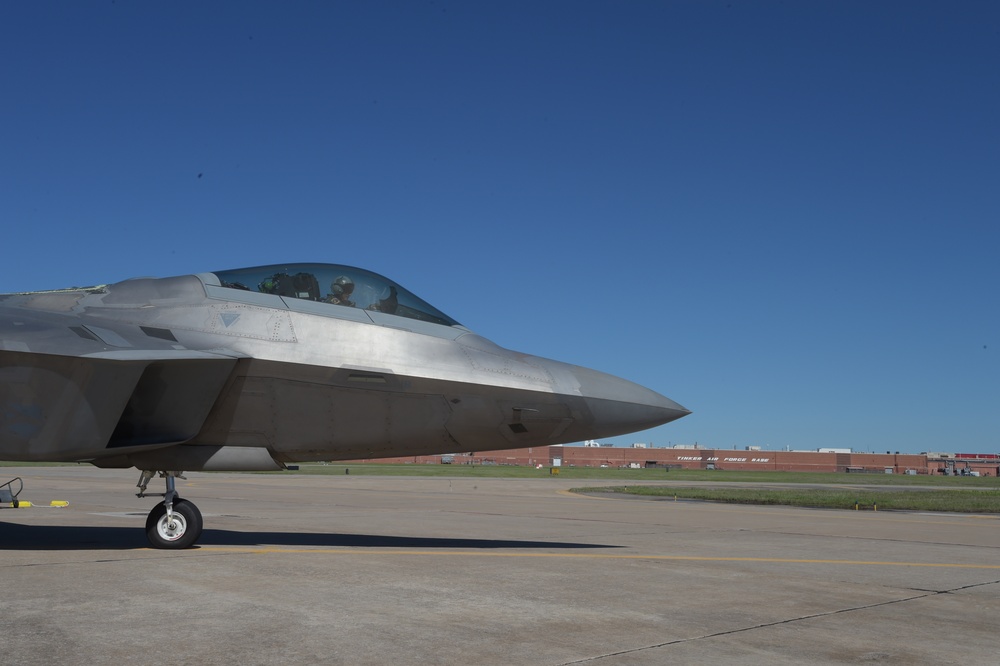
(254, 368)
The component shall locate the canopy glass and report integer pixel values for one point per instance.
(340, 286)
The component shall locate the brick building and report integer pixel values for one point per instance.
(726, 459)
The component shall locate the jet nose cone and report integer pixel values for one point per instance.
(618, 406)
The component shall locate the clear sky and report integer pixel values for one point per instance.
(783, 215)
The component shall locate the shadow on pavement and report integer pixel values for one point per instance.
(14, 536)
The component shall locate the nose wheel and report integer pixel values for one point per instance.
(174, 522)
(180, 528)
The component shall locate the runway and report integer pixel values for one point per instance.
(375, 570)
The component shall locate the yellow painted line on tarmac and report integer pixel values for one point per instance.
(596, 556)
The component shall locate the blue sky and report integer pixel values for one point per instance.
(784, 216)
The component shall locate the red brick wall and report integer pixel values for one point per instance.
(726, 459)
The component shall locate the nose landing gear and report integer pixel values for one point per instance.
(173, 523)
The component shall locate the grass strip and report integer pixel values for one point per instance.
(621, 475)
(958, 501)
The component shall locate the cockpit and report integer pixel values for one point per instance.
(338, 286)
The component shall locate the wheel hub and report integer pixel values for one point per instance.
(172, 528)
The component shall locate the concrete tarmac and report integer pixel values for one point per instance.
(377, 570)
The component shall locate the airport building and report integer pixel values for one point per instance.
(752, 459)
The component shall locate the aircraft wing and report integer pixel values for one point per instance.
(69, 407)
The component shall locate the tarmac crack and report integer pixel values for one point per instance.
(777, 623)
(969, 586)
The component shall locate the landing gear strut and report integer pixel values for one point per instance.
(174, 522)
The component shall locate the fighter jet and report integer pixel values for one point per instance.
(256, 368)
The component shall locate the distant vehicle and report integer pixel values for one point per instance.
(447, 460)
(256, 368)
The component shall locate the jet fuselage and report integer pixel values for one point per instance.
(255, 368)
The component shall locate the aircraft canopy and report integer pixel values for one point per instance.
(340, 286)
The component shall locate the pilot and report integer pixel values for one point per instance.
(340, 291)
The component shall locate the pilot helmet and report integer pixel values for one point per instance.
(342, 286)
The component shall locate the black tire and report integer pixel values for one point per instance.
(182, 532)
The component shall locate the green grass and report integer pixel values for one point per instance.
(614, 474)
(954, 500)
(923, 493)
(935, 493)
